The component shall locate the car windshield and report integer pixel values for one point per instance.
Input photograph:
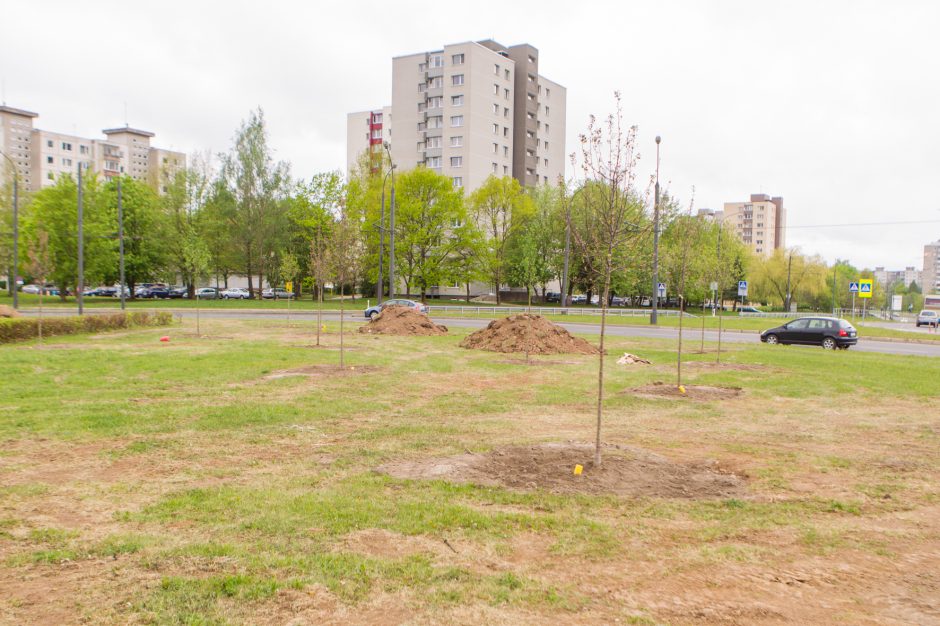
(797, 324)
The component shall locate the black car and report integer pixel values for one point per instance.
(552, 296)
(154, 292)
(828, 332)
(179, 292)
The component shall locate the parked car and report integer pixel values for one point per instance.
(579, 299)
(927, 318)
(207, 293)
(373, 311)
(278, 293)
(157, 291)
(552, 296)
(828, 332)
(33, 289)
(179, 292)
(749, 309)
(235, 293)
(618, 301)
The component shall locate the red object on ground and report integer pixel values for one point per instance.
(165, 338)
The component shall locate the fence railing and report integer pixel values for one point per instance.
(542, 310)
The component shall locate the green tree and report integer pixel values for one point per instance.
(807, 277)
(500, 207)
(257, 185)
(429, 218)
(146, 229)
(188, 191)
(54, 211)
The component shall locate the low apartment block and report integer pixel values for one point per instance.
(469, 110)
(760, 223)
(41, 155)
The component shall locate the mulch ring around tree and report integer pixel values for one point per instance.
(402, 320)
(624, 471)
(321, 371)
(701, 393)
(526, 333)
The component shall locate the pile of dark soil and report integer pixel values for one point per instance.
(702, 393)
(527, 333)
(623, 471)
(402, 320)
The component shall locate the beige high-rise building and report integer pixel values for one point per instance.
(469, 110)
(760, 223)
(931, 273)
(42, 155)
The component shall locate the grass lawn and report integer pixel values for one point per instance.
(231, 478)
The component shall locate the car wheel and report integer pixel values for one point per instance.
(772, 339)
(373, 315)
(829, 343)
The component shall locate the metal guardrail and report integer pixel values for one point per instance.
(541, 310)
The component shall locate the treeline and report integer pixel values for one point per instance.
(244, 214)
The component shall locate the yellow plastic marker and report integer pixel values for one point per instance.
(681, 389)
(323, 328)
(577, 470)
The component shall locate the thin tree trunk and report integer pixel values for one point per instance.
(679, 353)
(341, 345)
(319, 310)
(40, 310)
(600, 366)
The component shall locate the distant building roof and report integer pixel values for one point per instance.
(5, 109)
(128, 129)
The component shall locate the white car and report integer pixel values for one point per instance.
(924, 318)
(33, 289)
(235, 293)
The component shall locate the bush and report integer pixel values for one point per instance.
(24, 329)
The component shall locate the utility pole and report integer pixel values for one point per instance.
(391, 229)
(81, 245)
(655, 302)
(789, 265)
(16, 232)
(380, 286)
(719, 297)
(834, 266)
(121, 241)
(563, 299)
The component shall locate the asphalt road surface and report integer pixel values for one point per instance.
(355, 315)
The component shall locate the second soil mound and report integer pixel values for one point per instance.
(527, 333)
(402, 320)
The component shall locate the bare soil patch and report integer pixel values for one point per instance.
(625, 471)
(732, 367)
(402, 320)
(317, 371)
(701, 393)
(8, 311)
(527, 333)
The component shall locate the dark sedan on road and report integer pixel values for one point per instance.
(374, 311)
(828, 332)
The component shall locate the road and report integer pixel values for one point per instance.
(658, 332)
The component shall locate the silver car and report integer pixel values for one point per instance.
(927, 318)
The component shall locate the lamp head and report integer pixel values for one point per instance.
(658, 139)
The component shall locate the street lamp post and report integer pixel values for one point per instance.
(563, 299)
(16, 230)
(79, 291)
(653, 311)
(380, 287)
(121, 241)
(391, 229)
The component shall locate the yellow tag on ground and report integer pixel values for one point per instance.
(577, 470)
(681, 389)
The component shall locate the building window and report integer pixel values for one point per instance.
(66, 146)
(495, 109)
(530, 153)
(505, 170)
(506, 93)
(49, 176)
(546, 145)
(434, 161)
(437, 102)
(436, 122)
(546, 111)
(456, 161)
(456, 80)
(495, 129)
(531, 59)
(422, 106)
(376, 134)
(456, 120)
(456, 141)
(495, 148)
(505, 111)
(505, 132)
(546, 162)
(456, 59)
(434, 142)
(495, 89)
(422, 87)
(548, 92)
(458, 181)
(49, 143)
(456, 101)
(49, 160)
(422, 67)
(546, 128)
(496, 69)
(507, 74)
(437, 60)
(530, 115)
(67, 162)
(436, 83)
(506, 151)
(83, 149)
(376, 118)
(495, 168)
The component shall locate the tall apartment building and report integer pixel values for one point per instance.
(931, 273)
(906, 276)
(467, 111)
(41, 155)
(760, 223)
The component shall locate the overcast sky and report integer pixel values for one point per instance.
(832, 105)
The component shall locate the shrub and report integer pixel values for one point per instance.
(24, 329)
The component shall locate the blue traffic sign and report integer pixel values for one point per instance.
(865, 288)
(661, 288)
(742, 287)
(853, 287)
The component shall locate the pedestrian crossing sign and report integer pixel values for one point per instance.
(864, 288)
(853, 287)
